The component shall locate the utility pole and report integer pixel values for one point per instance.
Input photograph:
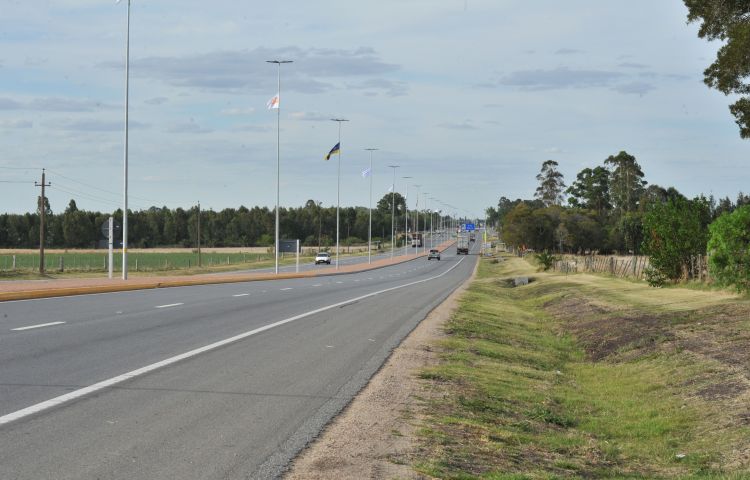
(42, 205)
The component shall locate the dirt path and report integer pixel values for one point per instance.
(375, 436)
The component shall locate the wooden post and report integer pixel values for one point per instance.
(41, 224)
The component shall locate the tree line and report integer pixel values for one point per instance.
(611, 208)
(313, 224)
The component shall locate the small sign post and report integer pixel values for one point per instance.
(111, 241)
(289, 246)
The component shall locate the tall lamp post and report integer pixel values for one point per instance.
(125, 162)
(393, 209)
(338, 189)
(427, 209)
(406, 220)
(416, 225)
(369, 229)
(277, 106)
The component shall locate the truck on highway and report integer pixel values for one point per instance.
(462, 244)
(416, 240)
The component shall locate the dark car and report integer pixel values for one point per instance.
(433, 254)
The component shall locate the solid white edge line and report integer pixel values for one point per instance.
(169, 305)
(36, 326)
(46, 405)
(241, 295)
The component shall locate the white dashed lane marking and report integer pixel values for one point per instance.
(241, 295)
(169, 305)
(20, 329)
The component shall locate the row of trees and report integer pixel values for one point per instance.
(313, 224)
(612, 209)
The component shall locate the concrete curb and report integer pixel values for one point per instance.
(145, 284)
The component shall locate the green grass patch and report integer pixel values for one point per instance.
(519, 394)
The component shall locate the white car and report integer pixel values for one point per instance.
(323, 257)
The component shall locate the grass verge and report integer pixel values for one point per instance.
(582, 376)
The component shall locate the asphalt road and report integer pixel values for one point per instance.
(351, 260)
(214, 381)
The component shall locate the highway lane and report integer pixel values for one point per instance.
(353, 260)
(241, 410)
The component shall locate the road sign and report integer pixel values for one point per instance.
(105, 228)
(470, 227)
(287, 246)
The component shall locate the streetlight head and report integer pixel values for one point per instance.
(394, 166)
(371, 149)
(278, 62)
(339, 120)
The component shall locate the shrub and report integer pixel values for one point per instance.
(675, 232)
(729, 247)
(546, 260)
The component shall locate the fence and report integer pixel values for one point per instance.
(633, 266)
(97, 262)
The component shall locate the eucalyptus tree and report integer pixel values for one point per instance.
(626, 181)
(727, 21)
(551, 184)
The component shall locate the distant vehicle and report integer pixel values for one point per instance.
(433, 254)
(323, 257)
(472, 237)
(416, 240)
(462, 244)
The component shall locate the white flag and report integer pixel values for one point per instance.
(366, 172)
(273, 103)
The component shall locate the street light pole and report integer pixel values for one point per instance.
(393, 210)
(369, 229)
(406, 220)
(125, 162)
(338, 189)
(278, 154)
(416, 226)
(424, 243)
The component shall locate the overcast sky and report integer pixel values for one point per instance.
(469, 97)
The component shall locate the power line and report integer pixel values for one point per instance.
(117, 194)
(19, 168)
(87, 196)
(15, 181)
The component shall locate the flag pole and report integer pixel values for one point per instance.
(278, 155)
(369, 230)
(338, 189)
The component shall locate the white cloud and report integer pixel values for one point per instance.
(235, 111)
(16, 124)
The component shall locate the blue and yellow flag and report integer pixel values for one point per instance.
(335, 150)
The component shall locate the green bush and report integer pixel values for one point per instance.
(674, 233)
(545, 260)
(729, 249)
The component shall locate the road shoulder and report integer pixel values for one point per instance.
(375, 436)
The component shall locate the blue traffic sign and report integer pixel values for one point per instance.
(470, 227)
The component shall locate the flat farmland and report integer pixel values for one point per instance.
(23, 263)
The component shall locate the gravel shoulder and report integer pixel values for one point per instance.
(375, 436)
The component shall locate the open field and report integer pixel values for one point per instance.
(18, 264)
(585, 376)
